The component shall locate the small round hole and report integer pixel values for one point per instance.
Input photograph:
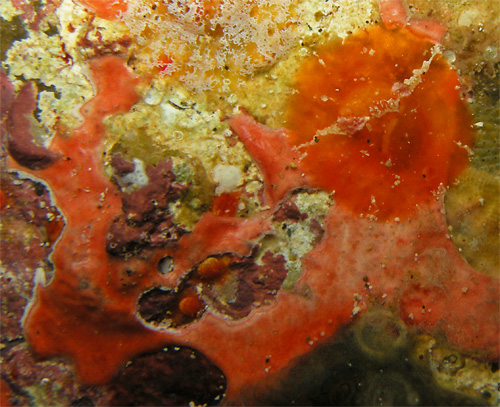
(165, 265)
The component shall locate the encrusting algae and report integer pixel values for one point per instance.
(221, 260)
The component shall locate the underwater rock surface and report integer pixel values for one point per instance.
(218, 217)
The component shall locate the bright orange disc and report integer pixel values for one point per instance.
(385, 136)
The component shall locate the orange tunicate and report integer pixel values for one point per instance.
(213, 267)
(107, 9)
(380, 121)
(190, 306)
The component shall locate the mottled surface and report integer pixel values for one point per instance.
(171, 377)
(271, 295)
(146, 222)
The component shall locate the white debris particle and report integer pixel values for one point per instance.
(468, 17)
(153, 97)
(450, 56)
(228, 177)
(137, 178)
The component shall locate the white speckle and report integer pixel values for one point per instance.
(479, 124)
(464, 289)
(228, 177)
(303, 52)
(138, 177)
(450, 56)
(153, 97)
(467, 17)
(490, 53)
(40, 277)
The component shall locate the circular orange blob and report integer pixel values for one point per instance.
(214, 267)
(378, 124)
(190, 306)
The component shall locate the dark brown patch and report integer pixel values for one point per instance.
(121, 166)
(53, 381)
(21, 144)
(146, 222)
(155, 304)
(288, 211)
(98, 46)
(256, 285)
(317, 230)
(171, 377)
(25, 242)
(6, 95)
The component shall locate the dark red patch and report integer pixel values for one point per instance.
(257, 285)
(171, 377)
(146, 221)
(21, 144)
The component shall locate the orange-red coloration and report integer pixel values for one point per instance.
(393, 13)
(54, 229)
(3, 200)
(384, 146)
(88, 312)
(66, 318)
(226, 204)
(281, 171)
(213, 267)
(429, 29)
(190, 306)
(5, 394)
(163, 62)
(107, 9)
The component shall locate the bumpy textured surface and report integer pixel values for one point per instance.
(177, 247)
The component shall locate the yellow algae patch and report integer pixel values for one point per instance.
(473, 215)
